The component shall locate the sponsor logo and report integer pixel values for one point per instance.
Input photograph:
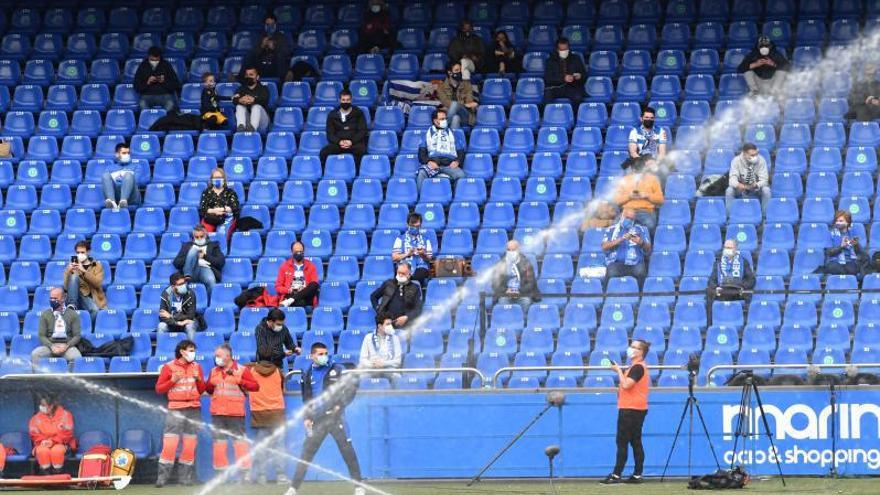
(803, 422)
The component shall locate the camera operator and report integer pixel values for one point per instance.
(632, 407)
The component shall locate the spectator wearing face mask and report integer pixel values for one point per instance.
(200, 260)
(181, 380)
(515, 282)
(503, 58)
(346, 130)
(59, 330)
(274, 340)
(84, 281)
(845, 256)
(468, 49)
(297, 282)
(647, 140)
(764, 68)
(398, 298)
(266, 58)
(641, 192)
(457, 96)
(376, 33)
(177, 308)
(414, 248)
(440, 153)
(251, 100)
(748, 177)
(51, 432)
(272, 30)
(157, 82)
(627, 245)
(731, 274)
(219, 206)
(564, 75)
(119, 180)
(381, 349)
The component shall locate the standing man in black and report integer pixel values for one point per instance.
(400, 298)
(346, 130)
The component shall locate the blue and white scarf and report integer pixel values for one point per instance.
(513, 280)
(417, 241)
(389, 346)
(629, 250)
(440, 143)
(731, 268)
(846, 253)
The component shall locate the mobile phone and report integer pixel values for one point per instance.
(73, 259)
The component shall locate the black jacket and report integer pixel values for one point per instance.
(269, 64)
(411, 294)
(556, 69)
(354, 128)
(275, 342)
(212, 253)
(259, 92)
(765, 71)
(528, 283)
(187, 311)
(345, 390)
(210, 101)
(145, 70)
(747, 281)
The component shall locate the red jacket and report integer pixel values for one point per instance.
(186, 392)
(227, 388)
(285, 277)
(58, 428)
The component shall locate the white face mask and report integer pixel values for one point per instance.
(443, 124)
(375, 9)
(389, 330)
(511, 256)
(44, 409)
(126, 158)
(154, 63)
(200, 241)
(764, 50)
(277, 328)
(630, 352)
(752, 159)
(219, 361)
(728, 252)
(402, 279)
(563, 54)
(82, 257)
(189, 356)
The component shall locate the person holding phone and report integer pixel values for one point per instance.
(633, 386)
(627, 245)
(84, 281)
(846, 256)
(641, 192)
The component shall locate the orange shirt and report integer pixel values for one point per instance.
(647, 184)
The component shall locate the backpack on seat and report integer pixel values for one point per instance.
(122, 462)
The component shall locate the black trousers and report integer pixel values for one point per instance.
(333, 425)
(357, 149)
(629, 432)
(306, 296)
(575, 93)
(420, 274)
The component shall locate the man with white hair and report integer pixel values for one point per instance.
(59, 330)
(515, 282)
(731, 274)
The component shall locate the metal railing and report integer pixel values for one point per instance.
(60, 376)
(401, 371)
(508, 369)
(804, 366)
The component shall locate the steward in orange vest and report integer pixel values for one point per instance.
(183, 382)
(227, 385)
(632, 407)
(51, 431)
(267, 415)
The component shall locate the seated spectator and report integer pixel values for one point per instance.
(646, 140)
(381, 349)
(275, 343)
(212, 115)
(266, 58)
(731, 274)
(177, 308)
(864, 98)
(346, 130)
(251, 100)
(564, 75)
(119, 180)
(641, 192)
(516, 283)
(297, 282)
(748, 178)
(600, 215)
(84, 281)
(764, 68)
(468, 49)
(376, 33)
(457, 96)
(59, 330)
(156, 82)
(201, 259)
(440, 153)
(398, 299)
(414, 249)
(627, 245)
(219, 206)
(270, 27)
(51, 432)
(846, 256)
(503, 58)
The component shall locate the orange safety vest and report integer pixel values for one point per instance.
(637, 396)
(228, 397)
(184, 394)
(270, 397)
(42, 426)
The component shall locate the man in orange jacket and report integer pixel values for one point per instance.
(267, 415)
(51, 431)
(183, 382)
(227, 385)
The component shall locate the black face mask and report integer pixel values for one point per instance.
(249, 81)
(456, 76)
(648, 124)
(345, 106)
(298, 256)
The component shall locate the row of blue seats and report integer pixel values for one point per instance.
(137, 440)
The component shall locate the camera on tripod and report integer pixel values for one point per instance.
(693, 364)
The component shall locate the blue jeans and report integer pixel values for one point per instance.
(458, 113)
(117, 192)
(762, 193)
(190, 329)
(524, 302)
(451, 173)
(79, 301)
(166, 101)
(271, 463)
(648, 219)
(198, 273)
(619, 269)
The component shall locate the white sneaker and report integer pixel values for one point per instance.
(109, 203)
(282, 480)
(290, 491)
(359, 490)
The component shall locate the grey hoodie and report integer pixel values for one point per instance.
(739, 170)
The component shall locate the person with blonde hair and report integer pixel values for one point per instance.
(219, 205)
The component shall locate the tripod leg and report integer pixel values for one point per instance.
(706, 431)
(684, 411)
(743, 423)
(509, 445)
(767, 430)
